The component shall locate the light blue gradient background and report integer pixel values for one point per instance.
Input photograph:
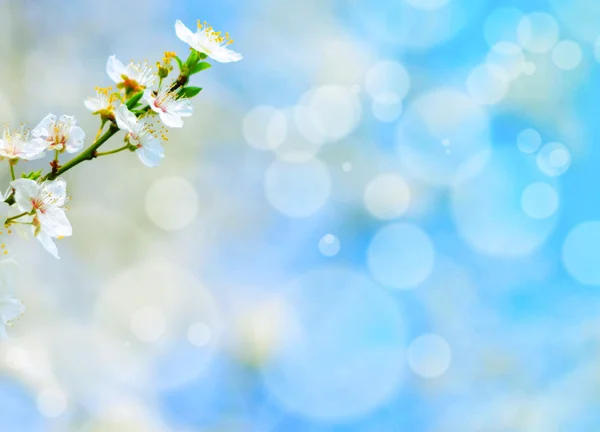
(302, 341)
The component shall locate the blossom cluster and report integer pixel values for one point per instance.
(142, 105)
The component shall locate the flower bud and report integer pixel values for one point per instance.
(165, 67)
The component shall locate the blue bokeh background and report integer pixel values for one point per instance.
(384, 218)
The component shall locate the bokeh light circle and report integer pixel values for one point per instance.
(387, 107)
(329, 245)
(567, 55)
(597, 49)
(429, 356)
(321, 373)
(148, 324)
(539, 200)
(501, 25)
(171, 203)
(157, 302)
(295, 147)
(428, 122)
(509, 57)
(580, 16)
(387, 196)
(487, 84)
(581, 253)
(538, 32)
(400, 256)
(487, 208)
(387, 77)
(297, 189)
(529, 68)
(529, 141)
(429, 4)
(554, 159)
(51, 402)
(199, 334)
(265, 127)
(327, 113)
(404, 24)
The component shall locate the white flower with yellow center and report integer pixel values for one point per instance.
(169, 107)
(60, 133)
(148, 147)
(102, 103)
(46, 203)
(20, 144)
(208, 41)
(133, 78)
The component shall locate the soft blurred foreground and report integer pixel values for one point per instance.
(384, 218)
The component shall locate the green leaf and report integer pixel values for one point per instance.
(134, 100)
(190, 92)
(179, 62)
(203, 56)
(193, 58)
(199, 67)
(33, 175)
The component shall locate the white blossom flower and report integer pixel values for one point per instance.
(102, 103)
(60, 133)
(20, 144)
(208, 41)
(169, 107)
(149, 150)
(46, 202)
(133, 77)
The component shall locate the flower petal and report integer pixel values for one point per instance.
(150, 99)
(126, 120)
(55, 223)
(225, 55)
(171, 119)
(93, 104)
(183, 107)
(76, 139)
(43, 128)
(48, 243)
(151, 152)
(184, 33)
(115, 69)
(58, 188)
(25, 190)
(34, 149)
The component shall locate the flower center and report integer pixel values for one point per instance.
(214, 36)
(38, 204)
(130, 85)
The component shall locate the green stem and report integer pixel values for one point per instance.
(87, 154)
(91, 152)
(120, 149)
(10, 219)
(54, 164)
(12, 169)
